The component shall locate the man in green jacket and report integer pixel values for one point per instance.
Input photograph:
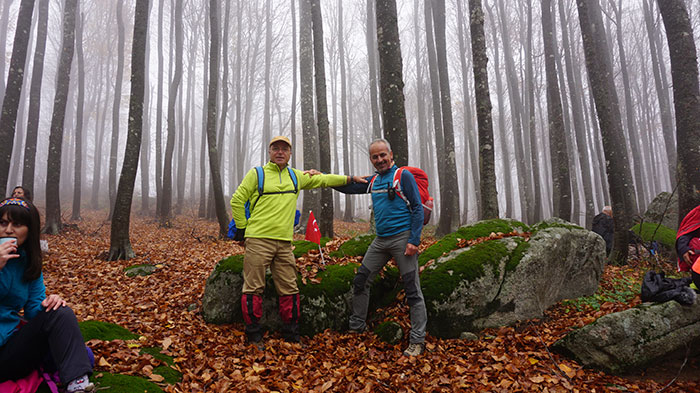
(268, 235)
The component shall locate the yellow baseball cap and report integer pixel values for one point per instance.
(281, 138)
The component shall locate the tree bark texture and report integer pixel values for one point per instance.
(686, 98)
(53, 169)
(600, 75)
(120, 245)
(116, 107)
(13, 90)
(487, 168)
(561, 182)
(80, 119)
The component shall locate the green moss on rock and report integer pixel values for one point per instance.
(302, 247)
(336, 280)
(649, 231)
(552, 223)
(354, 247)
(170, 375)
(233, 264)
(104, 331)
(479, 229)
(144, 269)
(389, 332)
(156, 353)
(124, 383)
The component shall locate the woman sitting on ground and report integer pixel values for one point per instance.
(688, 244)
(51, 330)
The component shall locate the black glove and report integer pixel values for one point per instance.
(240, 235)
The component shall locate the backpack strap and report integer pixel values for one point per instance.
(261, 184)
(371, 184)
(397, 186)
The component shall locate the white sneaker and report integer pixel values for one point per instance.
(414, 349)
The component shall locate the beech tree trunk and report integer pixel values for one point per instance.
(120, 245)
(78, 173)
(53, 169)
(116, 107)
(13, 90)
(487, 168)
(686, 98)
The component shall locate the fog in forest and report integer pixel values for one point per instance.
(266, 84)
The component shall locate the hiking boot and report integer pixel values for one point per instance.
(414, 349)
(89, 388)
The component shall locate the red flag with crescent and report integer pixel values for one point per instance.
(313, 234)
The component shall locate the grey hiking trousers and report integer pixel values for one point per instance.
(380, 251)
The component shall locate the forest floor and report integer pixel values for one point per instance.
(163, 308)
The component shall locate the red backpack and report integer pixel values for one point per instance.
(422, 182)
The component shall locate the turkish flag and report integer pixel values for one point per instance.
(313, 234)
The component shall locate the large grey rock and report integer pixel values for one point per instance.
(324, 305)
(658, 210)
(631, 339)
(500, 282)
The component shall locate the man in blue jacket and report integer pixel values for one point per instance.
(399, 222)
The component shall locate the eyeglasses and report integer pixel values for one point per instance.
(277, 148)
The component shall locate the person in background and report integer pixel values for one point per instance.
(603, 225)
(48, 328)
(268, 235)
(21, 192)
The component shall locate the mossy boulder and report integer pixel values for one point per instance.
(354, 247)
(499, 282)
(470, 232)
(663, 211)
(653, 231)
(124, 383)
(140, 270)
(105, 331)
(390, 332)
(302, 247)
(635, 338)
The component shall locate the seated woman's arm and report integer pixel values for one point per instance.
(37, 294)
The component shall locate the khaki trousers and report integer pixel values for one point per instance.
(275, 254)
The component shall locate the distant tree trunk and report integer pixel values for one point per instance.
(35, 97)
(657, 66)
(78, 174)
(535, 212)
(15, 78)
(470, 144)
(603, 90)
(116, 108)
(145, 137)
(99, 135)
(159, 113)
(487, 168)
(633, 135)
(391, 80)
(4, 21)
(686, 96)
(561, 183)
(266, 127)
(53, 169)
(202, 210)
(220, 206)
(326, 216)
(578, 120)
(344, 108)
(293, 111)
(120, 245)
(449, 191)
(312, 198)
(501, 125)
(516, 108)
(371, 39)
(166, 206)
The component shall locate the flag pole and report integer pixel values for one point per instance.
(321, 251)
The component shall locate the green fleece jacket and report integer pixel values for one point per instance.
(272, 217)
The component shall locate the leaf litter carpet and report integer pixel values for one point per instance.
(163, 309)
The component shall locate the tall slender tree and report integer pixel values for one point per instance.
(53, 169)
(326, 216)
(344, 107)
(686, 98)
(561, 183)
(79, 118)
(116, 106)
(120, 245)
(596, 50)
(214, 167)
(391, 80)
(35, 96)
(487, 168)
(371, 39)
(13, 91)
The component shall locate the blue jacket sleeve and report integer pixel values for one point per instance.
(410, 191)
(355, 188)
(37, 294)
